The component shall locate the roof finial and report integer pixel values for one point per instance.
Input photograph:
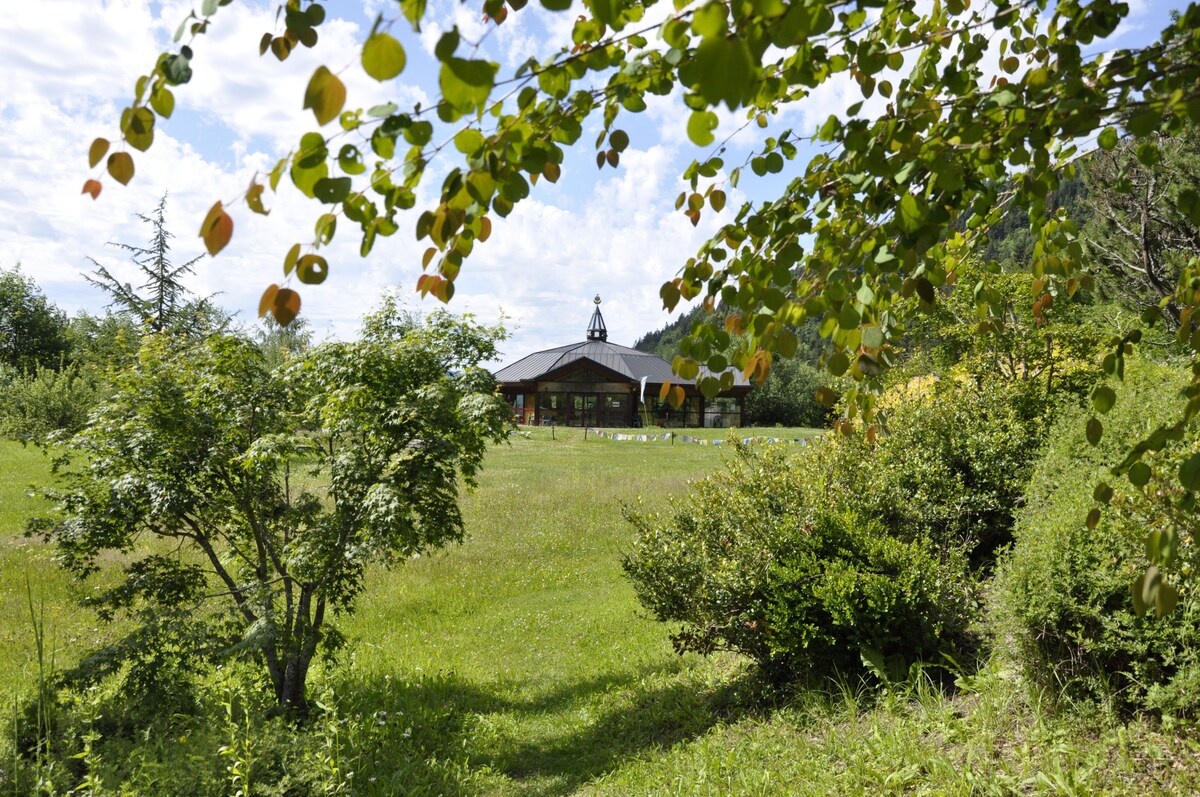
(596, 329)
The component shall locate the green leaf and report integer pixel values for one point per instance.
(700, 126)
(382, 57)
(1095, 431)
(724, 71)
(710, 20)
(838, 363)
(120, 166)
(786, 343)
(351, 160)
(414, 12)
(911, 213)
(289, 261)
(466, 85)
(849, 318)
(312, 269)
(669, 293)
(468, 141)
(1145, 123)
(97, 151)
(163, 102)
(1107, 138)
(1103, 398)
(140, 130)
(1139, 474)
(1189, 473)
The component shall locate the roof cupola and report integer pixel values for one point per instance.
(596, 329)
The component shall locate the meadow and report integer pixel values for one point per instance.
(520, 663)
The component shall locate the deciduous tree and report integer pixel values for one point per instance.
(33, 332)
(248, 503)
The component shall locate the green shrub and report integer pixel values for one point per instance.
(762, 561)
(1061, 602)
(954, 463)
(46, 400)
(845, 592)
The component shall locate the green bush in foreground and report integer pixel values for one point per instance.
(760, 561)
(845, 593)
(1061, 602)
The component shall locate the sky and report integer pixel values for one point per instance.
(68, 67)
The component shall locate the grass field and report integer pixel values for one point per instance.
(519, 663)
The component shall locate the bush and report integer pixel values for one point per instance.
(1061, 602)
(762, 562)
(845, 593)
(44, 401)
(954, 463)
(807, 561)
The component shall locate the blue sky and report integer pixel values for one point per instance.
(67, 67)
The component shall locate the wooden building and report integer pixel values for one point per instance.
(597, 383)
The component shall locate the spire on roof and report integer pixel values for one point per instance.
(596, 329)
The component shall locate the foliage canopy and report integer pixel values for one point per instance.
(984, 106)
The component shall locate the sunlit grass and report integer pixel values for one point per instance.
(519, 663)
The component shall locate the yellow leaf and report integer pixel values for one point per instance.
(289, 261)
(254, 199)
(217, 229)
(325, 95)
(120, 166)
(97, 151)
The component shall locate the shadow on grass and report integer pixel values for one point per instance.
(547, 744)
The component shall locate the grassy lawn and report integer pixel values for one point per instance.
(519, 663)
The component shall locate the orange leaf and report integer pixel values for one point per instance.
(217, 229)
(285, 306)
(91, 187)
(662, 391)
(268, 300)
(485, 229)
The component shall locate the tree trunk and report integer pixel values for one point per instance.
(293, 698)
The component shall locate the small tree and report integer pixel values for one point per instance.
(274, 490)
(162, 302)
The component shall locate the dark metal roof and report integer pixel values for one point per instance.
(630, 363)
